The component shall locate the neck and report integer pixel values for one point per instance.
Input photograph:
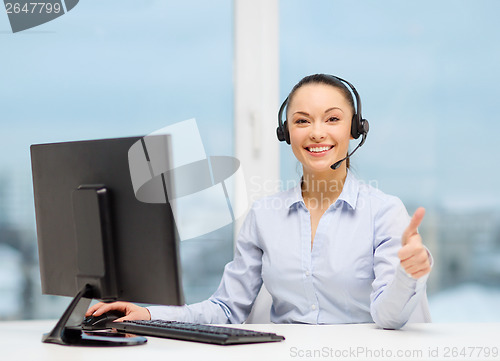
(323, 188)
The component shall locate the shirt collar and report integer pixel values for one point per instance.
(294, 196)
(348, 195)
(350, 191)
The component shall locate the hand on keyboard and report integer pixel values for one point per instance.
(138, 320)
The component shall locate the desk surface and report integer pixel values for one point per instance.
(21, 340)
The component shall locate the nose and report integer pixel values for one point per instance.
(317, 131)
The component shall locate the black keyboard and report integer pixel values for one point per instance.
(196, 332)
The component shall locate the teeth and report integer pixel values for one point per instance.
(318, 149)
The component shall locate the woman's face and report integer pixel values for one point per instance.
(319, 122)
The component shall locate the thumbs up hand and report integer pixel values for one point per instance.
(413, 255)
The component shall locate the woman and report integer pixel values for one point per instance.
(331, 250)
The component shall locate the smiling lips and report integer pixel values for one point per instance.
(318, 150)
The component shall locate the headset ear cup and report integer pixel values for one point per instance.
(280, 134)
(365, 126)
(282, 130)
(286, 132)
(355, 126)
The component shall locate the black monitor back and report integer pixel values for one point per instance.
(144, 238)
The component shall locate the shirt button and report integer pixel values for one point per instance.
(313, 307)
(307, 273)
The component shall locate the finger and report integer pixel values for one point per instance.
(414, 223)
(416, 220)
(106, 307)
(413, 266)
(103, 308)
(412, 247)
(421, 273)
(94, 308)
(417, 272)
(416, 261)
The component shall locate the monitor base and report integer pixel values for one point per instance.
(88, 339)
(68, 330)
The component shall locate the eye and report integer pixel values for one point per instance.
(300, 121)
(333, 119)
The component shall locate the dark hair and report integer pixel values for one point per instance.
(328, 80)
(324, 79)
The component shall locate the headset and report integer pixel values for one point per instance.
(359, 125)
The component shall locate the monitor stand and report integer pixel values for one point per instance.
(68, 330)
(96, 277)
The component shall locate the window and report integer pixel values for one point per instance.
(110, 69)
(427, 75)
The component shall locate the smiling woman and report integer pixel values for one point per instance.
(353, 250)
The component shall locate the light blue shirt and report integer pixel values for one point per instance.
(352, 273)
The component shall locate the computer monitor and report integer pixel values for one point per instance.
(96, 240)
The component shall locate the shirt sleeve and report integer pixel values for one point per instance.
(240, 284)
(395, 294)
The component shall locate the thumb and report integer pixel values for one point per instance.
(415, 221)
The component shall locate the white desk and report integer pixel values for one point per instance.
(21, 340)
